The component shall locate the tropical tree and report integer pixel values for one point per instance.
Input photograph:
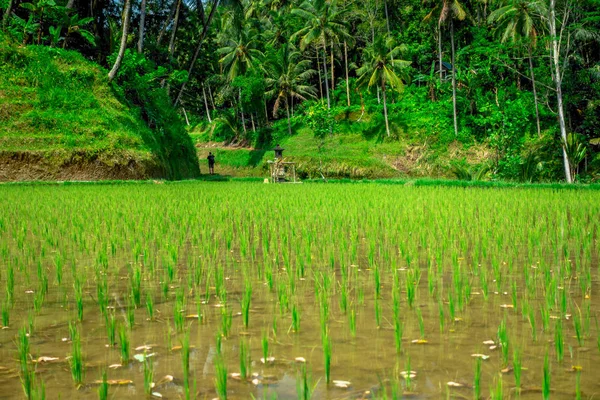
(519, 19)
(383, 68)
(286, 78)
(324, 24)
(444, 11)
(123, 46)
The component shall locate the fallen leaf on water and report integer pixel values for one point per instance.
(482, 356)
(506, 370)
(419, 341)
(143, 356)
(410, 374)
(455, 384)
(156, 394)
(255, 382)
(165, 379)
(192, 316)
(507, 306)
(494, 347)
(269, 359)
(576, 368)
(29, 291)
(116, 382)
(114, 366)
(236, 375)
(342, 384)
(144, 347)
(300, 359)
(46, 359)
(489, 342)
(457, 319)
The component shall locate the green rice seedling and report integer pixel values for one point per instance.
(246, 303)
(130, 313)
(58, 264)
(411, 288)
(103, 388)
(124, 340)
(76, 360)
(578, 386)
(150, 306)
(531, 319)
(407, 375)
(26, 374)
(102, 294)
(295, 318)
(111, 328)
(274, 325)
(78, 298)
(343, 297)
(221, 378)
(546, 379)
(503, 340)
(377, 282)
(148, 375)
(352, 321)
(545, 318)
(265, 346)
(578, 328)
(421, 323)
(303, 384)
(226, 321)
(136, 286)
(245, 361)
(517, 367)
(514, 294)
(559, 340)
(327, 356)
(477, 380)
(498, 390)
(5, 313)
(178, 316)
(451, 306)
(185, 361)
(398, 332)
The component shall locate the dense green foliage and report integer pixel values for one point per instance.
(57, 109)
(259, 71)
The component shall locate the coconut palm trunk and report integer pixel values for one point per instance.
(289, 121)
(346, 66)
(325, 68)
(440, 50)
(115, 68)
(453, 79)
(332, 69)
(385, 114)
(242, 113)
(174, 31)
(319, 72)
(206, 103)
(535, 100)
(558, 82)
(140, 46)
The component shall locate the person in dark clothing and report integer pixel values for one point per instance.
(278, 151)
(211, 163)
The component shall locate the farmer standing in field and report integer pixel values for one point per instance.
(211, 163)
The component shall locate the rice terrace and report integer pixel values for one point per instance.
(241, 290)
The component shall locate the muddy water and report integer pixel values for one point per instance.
(368, 361)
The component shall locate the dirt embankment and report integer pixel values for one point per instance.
(31, 166)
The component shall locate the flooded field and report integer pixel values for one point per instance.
(345, 291)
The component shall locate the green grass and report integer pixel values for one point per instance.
(57, 111)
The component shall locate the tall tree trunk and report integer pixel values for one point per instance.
(319, 71)
(140, 46)
(174, 30)
(346, 65)
(165, 25)
(115, 68)
(453, 79)
(266, 110)
(385, 115)
(212, 101)
(440, 50)
(332, 76)
(387, 17)
(287, 110)
(242, 112)
(537, 108)
(325, 68)
(556, 76)
(252, 122)
(198, 47)
(206, 103)
(70, 4)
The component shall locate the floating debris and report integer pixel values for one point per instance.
(300, 359)
(507, 306)
(342, 384)
(456, 384)
(44, 359)
(115, 382)
(114, 366)
(144, 347)
(408, 374)
(156, 394)
(143, 356)
(420, 341)
(482, 356)
(269, 360)
(489, 342)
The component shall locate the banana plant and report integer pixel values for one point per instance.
(75, 25)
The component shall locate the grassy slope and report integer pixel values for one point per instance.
(59, 119)
(348, 154)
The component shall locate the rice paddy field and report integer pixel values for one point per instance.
(341, 291)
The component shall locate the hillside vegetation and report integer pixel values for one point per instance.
(60, 119)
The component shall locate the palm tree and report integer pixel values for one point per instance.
(123, 46)
(286, 77)
(238, 56)
(382, 68)
(324, 24)
(518, 19)
(445, 10)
